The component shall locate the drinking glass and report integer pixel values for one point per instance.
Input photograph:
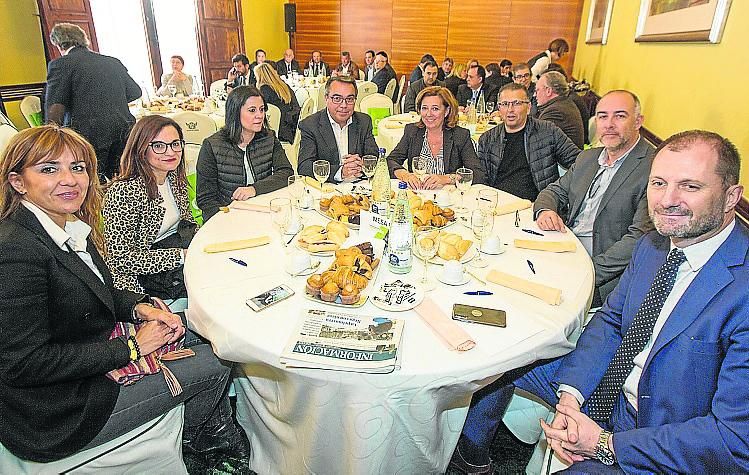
(482, 223)
(369, 164)
(296, 188)
(464, 178)
(321, 170)
(425, 245)
(172, 89)
(280, 209)
(487, 200)
(419, 165)
(489, 107)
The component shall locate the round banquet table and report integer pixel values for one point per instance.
(390, 130)
(320, 421)
(216, 115)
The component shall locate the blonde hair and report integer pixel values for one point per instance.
(458, 68)
(266, 75)
(34, 145)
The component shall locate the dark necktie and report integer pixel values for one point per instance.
(601, 402)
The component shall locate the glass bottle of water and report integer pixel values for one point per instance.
(381, 186)
(481, 104)
(400, 236)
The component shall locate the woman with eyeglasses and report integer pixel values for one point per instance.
(59, 307)
(146, 207)
(278, 93)
(243, 159)
(437, 141)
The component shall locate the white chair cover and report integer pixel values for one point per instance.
(390, 88)
(301, 95)
(308, 108)
(321, 97)
(217, 87)
(366, 88)
(274, 117)
(195, 126)
(5, 120)
(30, 105)
(156, 448)
(376, 100)
(401, 86)
(7, 131)
(292, 149)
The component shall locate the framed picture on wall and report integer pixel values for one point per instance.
(599, 19)
(682, 20)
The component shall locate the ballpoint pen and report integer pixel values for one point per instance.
(478, 292)
(530, 265)
(238, 261)
(530, 231)
(517, 219)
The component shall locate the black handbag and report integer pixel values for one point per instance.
(170, 284)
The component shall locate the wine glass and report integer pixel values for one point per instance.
(482, 223)
(489, 107)
(172, 89)
(487, 200)
(369, 164)
(463, 181)
(296, 188)
(425, 245)
(419, 166)
(321, 170)
(280, 209)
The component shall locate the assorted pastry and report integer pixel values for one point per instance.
(428, 213)
(344, 208)
(450, 247)
(346, 277)
(192, 104)
(317, 238)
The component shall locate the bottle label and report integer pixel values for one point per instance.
(380, 208)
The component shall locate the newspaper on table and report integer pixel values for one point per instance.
(327, 339)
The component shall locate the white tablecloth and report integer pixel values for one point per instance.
(216, 116)
(315, 421)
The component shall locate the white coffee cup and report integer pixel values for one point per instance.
(298, 262)
(443, 198)
(492, 245)
(452, 272)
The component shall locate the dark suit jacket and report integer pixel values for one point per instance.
(321, 66)
(622, 216)
(457, 151)
(352, 68)
(693, 397)
(409, 104)
(383, 77)
(281, 66)
(318, 141)
(289, 112)
(453, 82)
(496, 81)
(465, 93)
(95, 90)
(564, 113)
(55, 320)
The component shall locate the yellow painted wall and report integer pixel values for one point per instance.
(262, 21)
(681, 85)
(21, 50)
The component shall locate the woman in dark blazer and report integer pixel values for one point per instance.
(243, 159)
(278, 93)
(437, 138)
(58, 307)
(147, 203)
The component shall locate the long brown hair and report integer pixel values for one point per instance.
(34, 145)
(134, 163)
(448, 100)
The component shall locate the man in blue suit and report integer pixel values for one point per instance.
(658, 382)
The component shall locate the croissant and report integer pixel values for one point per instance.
(463, 247)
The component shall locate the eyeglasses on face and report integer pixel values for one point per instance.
(522, 76)
(337, 99)
(507, 104)
(160, 147)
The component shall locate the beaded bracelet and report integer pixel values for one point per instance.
(132, 343)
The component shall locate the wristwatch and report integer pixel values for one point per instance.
(602, 451)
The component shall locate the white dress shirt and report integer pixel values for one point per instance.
(341, 140)
(697, 256)
(74, 235)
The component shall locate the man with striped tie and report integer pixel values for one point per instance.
(658, 381)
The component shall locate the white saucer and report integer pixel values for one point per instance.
(309, 271)
(466, 279)
(501, 251)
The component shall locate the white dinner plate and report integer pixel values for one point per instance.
(467, 257)
(397, 296)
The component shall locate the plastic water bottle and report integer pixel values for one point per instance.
(400, 236)
(381, 187)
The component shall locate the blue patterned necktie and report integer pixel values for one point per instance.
(601, 402)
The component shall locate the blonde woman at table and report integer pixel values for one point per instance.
(181, 81)
(243, 159)
(278, 93)
(437, 138)
(147, 220)
(58, 308)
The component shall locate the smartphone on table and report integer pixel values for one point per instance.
(482, 315)
(269, 297)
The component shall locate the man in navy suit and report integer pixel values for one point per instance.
(89, 92)
(678, 402)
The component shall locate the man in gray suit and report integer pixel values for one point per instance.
(602, 198)
(337, 133)
(429, 78)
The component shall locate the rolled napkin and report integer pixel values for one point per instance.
(394, 125)
(236, 245)
(245, 206)
(316, 185)
(511, 207)
(450, 332)
(551, 246)
(548, 294)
